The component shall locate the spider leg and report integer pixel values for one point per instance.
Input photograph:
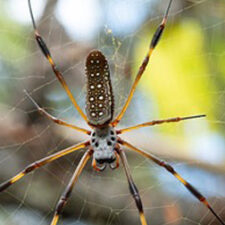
(133, 189)
(39, 163)
(155, 122)
(54, 119)
(154, 42)
(58, 74)
(66, 194)
(171, 170)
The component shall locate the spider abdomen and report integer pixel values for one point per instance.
(99, 100)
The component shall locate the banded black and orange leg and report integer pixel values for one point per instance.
(54, 119)
(58, 74)
(154, 42)
(155, 122)
(171, 170)
(39, 163)
(64, 198)
(133, 189)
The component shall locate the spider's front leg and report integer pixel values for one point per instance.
(66, 194)
(171, 170)
(132, 187)
(39, 163)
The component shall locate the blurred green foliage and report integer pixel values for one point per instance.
(12, 49)
(12, 39)
(179, 78)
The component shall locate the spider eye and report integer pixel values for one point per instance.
(100, 103)
(96, 144)
(113, 138)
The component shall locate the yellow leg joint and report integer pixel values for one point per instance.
(150, 52)
(17, 177)
(50, 60)
(55, 220)
(180, 179)
(142, 218)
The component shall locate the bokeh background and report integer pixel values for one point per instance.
(186, 76)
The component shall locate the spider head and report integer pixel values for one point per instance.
(103, 141)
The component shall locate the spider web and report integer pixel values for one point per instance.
(188, 81)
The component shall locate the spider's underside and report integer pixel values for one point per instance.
(105, 145)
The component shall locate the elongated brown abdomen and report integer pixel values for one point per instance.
(99, 100)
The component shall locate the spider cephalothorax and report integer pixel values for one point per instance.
(104, 144)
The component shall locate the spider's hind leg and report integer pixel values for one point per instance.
(58, 74)
(155, 39)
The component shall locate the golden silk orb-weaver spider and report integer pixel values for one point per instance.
(104, 145)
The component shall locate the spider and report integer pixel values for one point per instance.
(104, 145)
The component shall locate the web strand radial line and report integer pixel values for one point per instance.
(39, 163)
(171, 170)
(57, 73)
(156, 37)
